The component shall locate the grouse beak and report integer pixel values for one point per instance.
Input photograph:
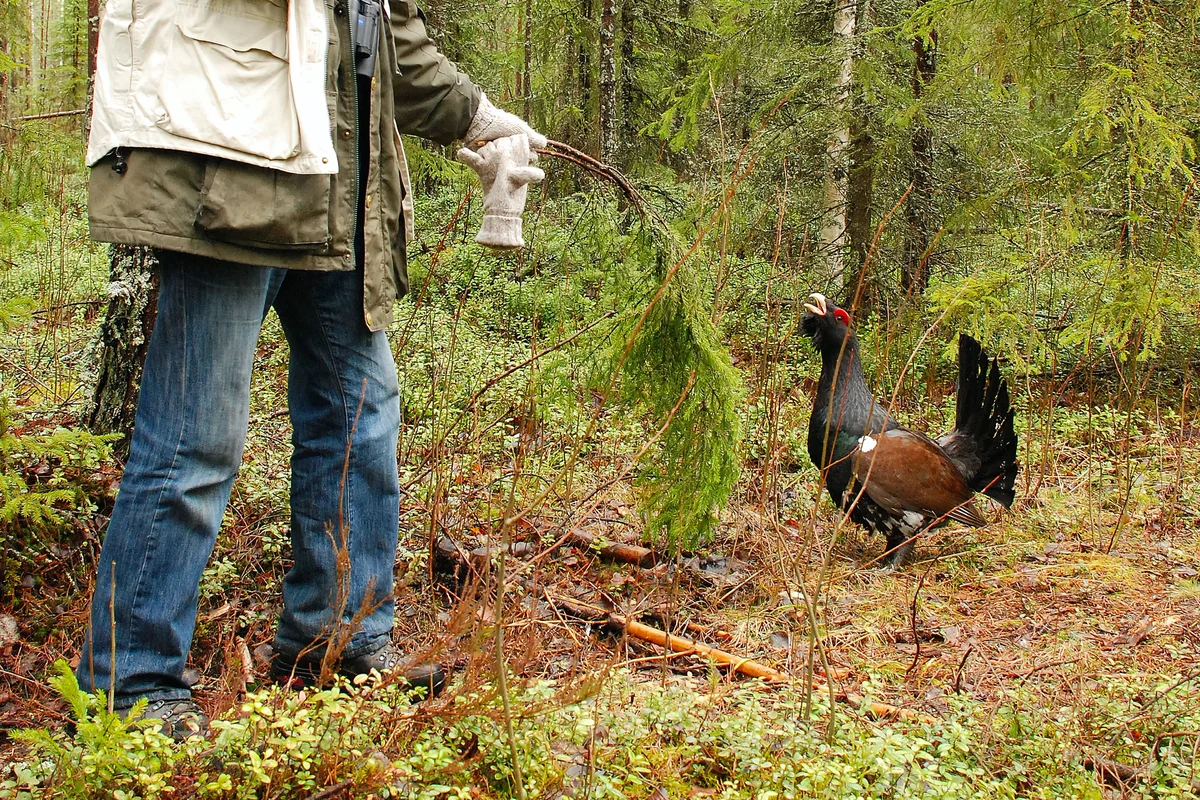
(817, 304)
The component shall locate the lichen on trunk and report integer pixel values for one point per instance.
(120, 345)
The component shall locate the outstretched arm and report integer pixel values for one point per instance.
(434, 99)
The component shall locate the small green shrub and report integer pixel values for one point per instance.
(124, 759)
(44, 476)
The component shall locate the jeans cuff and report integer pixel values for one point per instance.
(360, 644)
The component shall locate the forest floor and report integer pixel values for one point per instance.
(1064, 638)
(1053, 653)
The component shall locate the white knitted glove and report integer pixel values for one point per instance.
(504, 171)
(491, 123)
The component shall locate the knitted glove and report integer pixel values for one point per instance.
(491, 123)
(504, 171)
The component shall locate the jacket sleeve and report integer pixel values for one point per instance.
(434, 100)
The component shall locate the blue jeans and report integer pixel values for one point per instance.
(192, 417)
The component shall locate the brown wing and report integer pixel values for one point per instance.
(904, 471)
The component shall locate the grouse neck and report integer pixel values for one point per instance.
(844, 387)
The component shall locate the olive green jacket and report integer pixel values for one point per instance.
(232, 211)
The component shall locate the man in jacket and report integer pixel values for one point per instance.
(255, 145)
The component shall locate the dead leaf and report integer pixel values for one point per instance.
(217, 613)
(247, 662)
(9, 634)
(262, 655)
(1138, 632)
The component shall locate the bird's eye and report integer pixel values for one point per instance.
(841, 316)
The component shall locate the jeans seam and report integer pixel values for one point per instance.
(152, 538)
(344, 509)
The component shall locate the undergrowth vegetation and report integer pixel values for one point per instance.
(621, 739)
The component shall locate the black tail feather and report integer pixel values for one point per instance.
(984, 413)
(983, 438)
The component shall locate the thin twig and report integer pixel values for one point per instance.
(1027, 673)
(343, 786)
(958, 673)
(51, 115)
(913, 619)
(602, 170)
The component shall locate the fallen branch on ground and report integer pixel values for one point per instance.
(746, 666)
(882, 710)
(629, 553)
(450, 550)
(1113, 773)
(678, 644)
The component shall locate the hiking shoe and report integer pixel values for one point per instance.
(306, 671)
(179, 719)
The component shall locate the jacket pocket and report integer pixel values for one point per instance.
(226, 79)
(264, 208)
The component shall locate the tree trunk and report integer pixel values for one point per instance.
(529, 61)
(914, 273)
(833, 231)
(93, 35)
(608, 82)
(584, 62)
(123, 338)
(628, 75)
(443, 26)
(93, 44)
(682, 47)
(5, 79)
(435, 19)
(860, 194)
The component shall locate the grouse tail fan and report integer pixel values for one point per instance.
(983, 443)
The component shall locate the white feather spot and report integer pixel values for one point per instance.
(866, 444)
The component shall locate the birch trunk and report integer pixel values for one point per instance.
(122, 341)
(608, 81)
(584, 63)
(833, 231)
